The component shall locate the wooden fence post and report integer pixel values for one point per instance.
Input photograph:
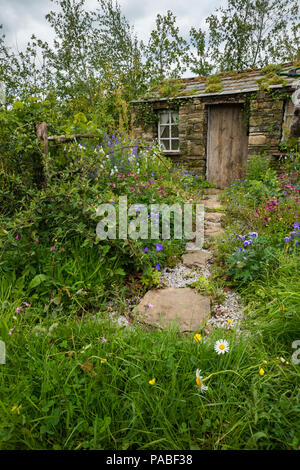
(42, 134)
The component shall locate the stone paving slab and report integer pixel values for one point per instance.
(182, 307)
(214, 216)
(211, 204)
(213, 230)
(196, 258)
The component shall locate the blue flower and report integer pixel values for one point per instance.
(287, 239)
(157, 267)
(159, 246)
(253, 234)
(145, 249)
(247, 242)
(296, 225)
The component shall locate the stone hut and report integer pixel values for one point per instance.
(210, 125)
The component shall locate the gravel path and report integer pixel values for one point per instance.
(228, 315)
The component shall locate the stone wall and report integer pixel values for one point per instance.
(265, 123)
(266, 116)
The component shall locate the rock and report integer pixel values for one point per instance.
(196, 258)
(211, 204)
(212, 191)
(180, 306)
(213, 230)
(258, 139)
(214, 216)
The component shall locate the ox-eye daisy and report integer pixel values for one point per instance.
(221, 346)
(199, 382)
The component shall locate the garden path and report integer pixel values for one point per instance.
(176, 303)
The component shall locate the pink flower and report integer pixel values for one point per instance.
(62, 250)
(52, 248)
(19, 309)
(150, 305)
(104, 340)
(11, 331)
(26, 304)
(17, 237)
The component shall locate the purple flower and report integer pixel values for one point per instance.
(241, 237)
(157, 267)
(19, 309)
(11, 331)
(287, 239)
(158, 246)
(145, 249)
(247, 242)
(62, 250)
(26, 304)
(52, 248)
(296, 225)
(253, 234)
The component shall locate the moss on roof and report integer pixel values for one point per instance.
(224, 82)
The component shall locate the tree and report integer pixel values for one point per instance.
(251, 33)
(166, 52)
(199, 63)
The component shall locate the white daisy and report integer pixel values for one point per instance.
(221, 346)
(199, 382)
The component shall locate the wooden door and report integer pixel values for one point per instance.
(227, 143)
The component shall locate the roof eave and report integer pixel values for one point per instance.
(223, 93)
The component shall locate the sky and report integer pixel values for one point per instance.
(22, 18)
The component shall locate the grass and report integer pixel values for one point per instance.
(65, 398)
(74, 380)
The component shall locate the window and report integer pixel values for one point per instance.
(168, 136)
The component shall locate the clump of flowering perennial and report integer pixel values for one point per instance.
(294, 236)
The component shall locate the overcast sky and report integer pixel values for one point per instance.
(22, 18)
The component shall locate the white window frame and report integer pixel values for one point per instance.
(169, 124)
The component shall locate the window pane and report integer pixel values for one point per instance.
(174, 117)
(175, 144)
(164, 118)
(165, 144)
(174, 131)
(164, 132)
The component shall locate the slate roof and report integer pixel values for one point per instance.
(232, 82)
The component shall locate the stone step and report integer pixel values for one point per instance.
(214, 217)
(196, 258)
(211, 204)
(212, 191)
(181, 307)
(213, 230)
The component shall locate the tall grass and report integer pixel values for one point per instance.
(57, 394)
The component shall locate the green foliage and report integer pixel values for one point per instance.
(166, 51)
(199, 60)
(249, 262)
(257, 166)
(250, 34)
(170, 88)
(213, 84)
(270, 78)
